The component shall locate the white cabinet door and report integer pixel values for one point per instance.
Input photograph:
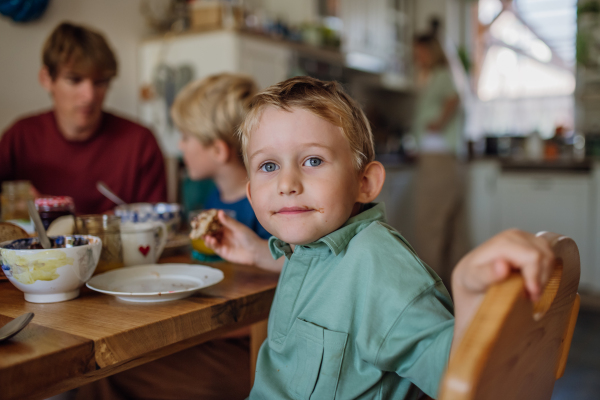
(369, 33)
(206, 54)
(482, 200)
(559, 203)
(267, 62)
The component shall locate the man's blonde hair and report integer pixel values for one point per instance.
(326, 100)
(80, 47)
(213, 108)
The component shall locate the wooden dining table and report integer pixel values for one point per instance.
(76, 342)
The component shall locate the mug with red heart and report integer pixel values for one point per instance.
(143, 242)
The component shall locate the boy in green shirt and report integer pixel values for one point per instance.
(356, 314)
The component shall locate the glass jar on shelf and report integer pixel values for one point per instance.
(13, 200)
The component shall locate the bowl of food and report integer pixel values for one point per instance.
(50, 275)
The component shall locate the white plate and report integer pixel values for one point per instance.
(155, 282)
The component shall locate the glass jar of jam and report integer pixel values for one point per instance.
(53, 207)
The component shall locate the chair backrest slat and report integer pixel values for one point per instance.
(515, 349)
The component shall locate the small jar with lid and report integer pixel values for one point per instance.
(53, 207)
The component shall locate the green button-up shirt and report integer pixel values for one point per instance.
(356, 315)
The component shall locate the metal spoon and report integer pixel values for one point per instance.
(105, 190)
(39, 227)
(15, 326)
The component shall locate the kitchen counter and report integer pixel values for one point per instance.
(559, 196)
(512, 165)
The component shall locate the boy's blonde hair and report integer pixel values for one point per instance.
(213, 108)
(326, 100)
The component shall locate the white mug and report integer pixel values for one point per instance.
(143, 242)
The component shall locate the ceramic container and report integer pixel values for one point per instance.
(52, 275)
(143, 242)
(167, 213)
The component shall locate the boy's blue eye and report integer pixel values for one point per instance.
(313, 162)
(269, 167)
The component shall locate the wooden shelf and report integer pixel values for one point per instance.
(328, 54)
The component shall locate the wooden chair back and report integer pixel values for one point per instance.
(515, 349)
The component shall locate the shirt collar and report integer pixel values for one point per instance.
(338, 239)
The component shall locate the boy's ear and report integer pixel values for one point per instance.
(248, 193)
(45, 79)
(371, 182)
(222, 150)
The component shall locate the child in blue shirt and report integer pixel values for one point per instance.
(207, 112)
(356, 314)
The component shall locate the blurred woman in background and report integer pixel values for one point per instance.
(440, 222)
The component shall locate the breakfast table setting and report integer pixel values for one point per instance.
(111, 292)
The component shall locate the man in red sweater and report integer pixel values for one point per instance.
(65, 151)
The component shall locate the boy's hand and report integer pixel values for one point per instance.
(236, 243)
(240, 244)
(491, 263)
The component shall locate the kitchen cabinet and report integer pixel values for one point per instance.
(397, 196)
(553, 202)
(378, 38)
(560, 201)
(482, 200)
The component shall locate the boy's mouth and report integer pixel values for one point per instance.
(293, 210)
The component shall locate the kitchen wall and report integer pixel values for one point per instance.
(425, 9)
(20, 54)
(124, 26)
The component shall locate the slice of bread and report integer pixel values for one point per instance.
(205, 223)
(10, 231)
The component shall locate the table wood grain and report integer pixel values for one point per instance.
(75, 342)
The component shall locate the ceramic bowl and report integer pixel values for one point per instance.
(52, 275)
(167, 213)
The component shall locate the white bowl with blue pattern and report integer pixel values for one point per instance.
(50, 275)
(167, 213)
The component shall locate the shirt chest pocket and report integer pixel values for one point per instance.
(320, 353)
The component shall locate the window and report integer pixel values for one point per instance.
(525, 66)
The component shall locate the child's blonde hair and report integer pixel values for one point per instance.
(213, 108)
(326, 100)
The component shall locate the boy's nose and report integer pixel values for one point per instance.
(289, 183)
